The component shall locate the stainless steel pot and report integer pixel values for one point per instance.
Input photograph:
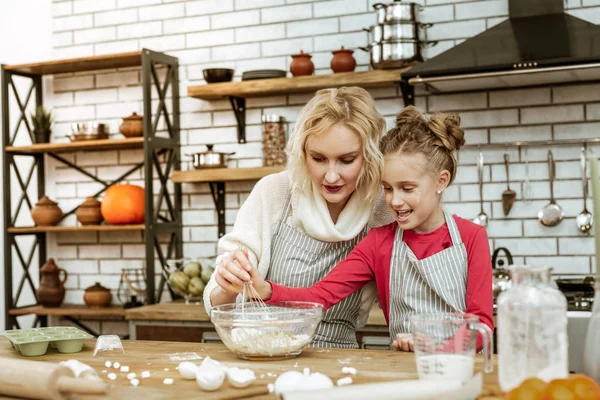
(396, 54)
(210, 158)
(398, 11)
(394, 31)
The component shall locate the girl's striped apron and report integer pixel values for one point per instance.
(298, 260)
(434, 284)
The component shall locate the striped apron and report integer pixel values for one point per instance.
(298, 260)
(434, 284)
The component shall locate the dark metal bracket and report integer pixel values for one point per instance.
(217, 189)
(408, 93)
(239, 109)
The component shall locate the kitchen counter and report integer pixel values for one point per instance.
(372, 366)
(178, 321)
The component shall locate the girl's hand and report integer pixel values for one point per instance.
(404, 342)
(233, 271)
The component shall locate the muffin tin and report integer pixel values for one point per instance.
(35, 341)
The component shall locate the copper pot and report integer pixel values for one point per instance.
(343, 61)
(132, 126)
(88, 212)
(46, 212)
(97, 296)
(52, 290)
(301, 64)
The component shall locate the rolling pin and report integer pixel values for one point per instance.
(43, 380)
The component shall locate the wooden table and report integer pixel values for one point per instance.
(182, 322)
(372, 366)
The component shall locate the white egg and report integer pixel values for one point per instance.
(240, 378)
(289, 381)
(187, 370)
(210, 364)
(210, 380)
(317, 381)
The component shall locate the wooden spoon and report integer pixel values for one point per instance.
(509, 195)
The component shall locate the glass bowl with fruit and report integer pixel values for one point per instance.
(188, 277)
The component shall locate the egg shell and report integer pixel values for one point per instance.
(187, 370)
(317, 381)
(344, 381)
(210, 380)
(240, 378)
(289, 381)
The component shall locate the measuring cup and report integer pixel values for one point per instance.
(445, 345)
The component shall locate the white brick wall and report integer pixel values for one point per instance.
(253, 34)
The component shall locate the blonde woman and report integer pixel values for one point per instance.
(298, 224)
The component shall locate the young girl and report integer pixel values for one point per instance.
(426, 261)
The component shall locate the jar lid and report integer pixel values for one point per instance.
(97, 288)
(133, 116)
(49, 266)
(45, 201)
(343, 50)
(272, 118)
(90, 202)
(301, 54)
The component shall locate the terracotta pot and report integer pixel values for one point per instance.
(301, 64)
(132, 126)
(46, 212)
(343, 61)
(97, 296)
(88, 212)
(51, 291)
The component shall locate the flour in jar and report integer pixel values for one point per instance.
(266, 342)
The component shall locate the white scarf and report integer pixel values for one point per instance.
(310, 214)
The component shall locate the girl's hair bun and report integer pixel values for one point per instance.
(446, 127)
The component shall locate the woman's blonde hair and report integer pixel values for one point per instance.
(354, 107)
(436, 136)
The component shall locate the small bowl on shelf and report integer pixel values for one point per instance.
(214, 75)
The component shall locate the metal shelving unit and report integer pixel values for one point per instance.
(155, 144)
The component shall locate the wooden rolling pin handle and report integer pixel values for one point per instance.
(81, 386)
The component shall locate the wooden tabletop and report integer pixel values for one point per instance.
(158, 358)
(179, 311)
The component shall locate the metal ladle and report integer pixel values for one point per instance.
(482, 218)
(551, 214)
(585, 219)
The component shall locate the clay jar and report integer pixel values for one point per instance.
(51, 291)
(88, 212)
(97, 296)
(46, 212)
(343, 61)
(132, 126)
(301, 64)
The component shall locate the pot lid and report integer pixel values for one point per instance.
(45, 201)
(209, 150)
(301, 54)
(49, 267)
(342, 51)
(90, 202)
(97, 287)
(133, 117)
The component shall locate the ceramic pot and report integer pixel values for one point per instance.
(97, 296)
(41, 136)
(88, 212)
(343, 61)
(132, 126)
(46, 212)
(301, 64)
(52, 290)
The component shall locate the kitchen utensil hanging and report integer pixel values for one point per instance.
(482, 218)
(526, 194)
(509, 195)
(585, 219)
(552, 214)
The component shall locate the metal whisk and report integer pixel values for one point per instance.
(249, 293)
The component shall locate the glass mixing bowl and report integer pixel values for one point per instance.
(276, 331)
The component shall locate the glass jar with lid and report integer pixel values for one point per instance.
(532, 328)
(273, 140)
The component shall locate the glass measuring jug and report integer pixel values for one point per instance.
(445, 345)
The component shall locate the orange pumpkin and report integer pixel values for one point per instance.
(123, 204)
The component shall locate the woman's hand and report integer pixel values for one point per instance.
(404, 342)
(233, 271)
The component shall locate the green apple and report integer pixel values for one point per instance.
(192, 269)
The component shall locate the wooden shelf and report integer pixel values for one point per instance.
(171, 311)
(86, 228)
(119, 60)
(87, 145)
(70, 310)
(223, 174)
(266, 87)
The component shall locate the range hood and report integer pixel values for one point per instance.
(539, 44)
